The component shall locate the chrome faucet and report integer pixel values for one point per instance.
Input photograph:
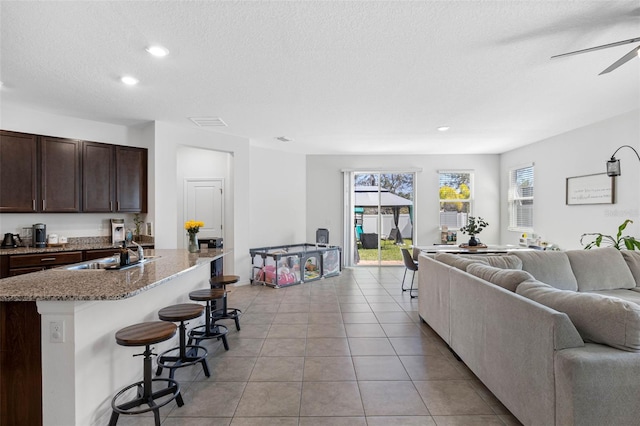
(140, 253)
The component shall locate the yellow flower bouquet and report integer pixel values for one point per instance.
(193, 226)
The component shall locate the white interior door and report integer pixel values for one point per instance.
(204, 202)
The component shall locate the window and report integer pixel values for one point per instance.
(456, 195)
(521, 198)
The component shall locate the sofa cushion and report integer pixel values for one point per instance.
(457, 261)
(551, 267)
(505, 278)
(499, 261)
(633, 262)
(598, 318)
(600, 269)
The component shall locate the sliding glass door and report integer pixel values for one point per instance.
(381, 210)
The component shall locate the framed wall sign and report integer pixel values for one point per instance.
(591, 189)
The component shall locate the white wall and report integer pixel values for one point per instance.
(579, 152)
(168, 140)
(36, 122)
(278, 195)
(325, 197)
(195, 163)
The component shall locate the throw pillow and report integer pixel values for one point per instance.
(600, 269)
(633, 262)
(456, 261)
(551, 267)
(505, 278)
(599, 319)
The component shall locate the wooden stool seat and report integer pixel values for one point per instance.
(182, 355)
(181, 312)
(207, 294)
(146, 333)
(224, 280)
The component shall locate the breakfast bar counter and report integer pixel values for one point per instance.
(100, 284)
(59, 361)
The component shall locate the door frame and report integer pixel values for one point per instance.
(183, 243)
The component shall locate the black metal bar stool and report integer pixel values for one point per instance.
(209, 330)
(221, 281)
(183, 355)
(146, 334)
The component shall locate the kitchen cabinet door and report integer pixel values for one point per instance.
(98, 177)
(18, 172)
(131, 179)
(60, 180)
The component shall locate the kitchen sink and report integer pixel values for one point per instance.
(106, 263)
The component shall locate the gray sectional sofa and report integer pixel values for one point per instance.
(554, 335)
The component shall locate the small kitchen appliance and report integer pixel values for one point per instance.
(39, 235)
(117, 231)
(11, 240)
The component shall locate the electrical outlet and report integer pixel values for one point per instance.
(56, 331)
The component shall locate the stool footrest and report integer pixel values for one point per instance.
(189, 355)
(172, 391)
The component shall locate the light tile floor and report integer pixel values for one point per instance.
(347, 350)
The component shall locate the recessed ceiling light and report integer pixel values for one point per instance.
(443, 128)
(129, 81)
(158, 51)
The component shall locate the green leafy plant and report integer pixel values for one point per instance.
(619, 242)
(474, 226)
(138, 221)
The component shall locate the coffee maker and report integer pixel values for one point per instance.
(39, 235)
(117, 231)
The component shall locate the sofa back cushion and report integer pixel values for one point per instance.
(457, 261)
(600, 269)
(600, 319)
(633, 262)
(551, 267)
(505, 278)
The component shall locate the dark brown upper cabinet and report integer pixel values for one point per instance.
(61, 178)
(18, 173)
(131, 179)
(98, 177)
(48, 174)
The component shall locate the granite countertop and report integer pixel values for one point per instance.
(100, 284)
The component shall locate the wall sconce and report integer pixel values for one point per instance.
(613, 165)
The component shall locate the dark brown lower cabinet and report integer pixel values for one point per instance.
(20, 364)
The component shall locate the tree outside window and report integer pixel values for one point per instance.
(455, 198)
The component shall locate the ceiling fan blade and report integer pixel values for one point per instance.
(626, 58)
(604, 46)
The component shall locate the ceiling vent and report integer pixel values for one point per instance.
(284, 139)
(208, 121)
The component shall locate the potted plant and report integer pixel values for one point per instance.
(619, 242)
(474, 226)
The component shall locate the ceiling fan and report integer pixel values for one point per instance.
(616, 64)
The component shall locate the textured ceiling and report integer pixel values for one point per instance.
(337, 77)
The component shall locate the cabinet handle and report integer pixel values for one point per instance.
(110, 205)
(47, 259)
(118, 205)
(44, 205)
(33, 205)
